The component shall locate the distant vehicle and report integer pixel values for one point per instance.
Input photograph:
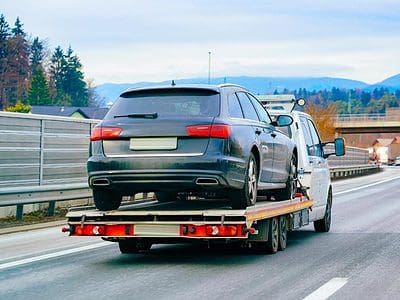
(313, 169)
(201, 140)
(397, 161)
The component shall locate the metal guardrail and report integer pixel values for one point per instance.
(351, 171)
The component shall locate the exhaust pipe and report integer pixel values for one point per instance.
(207, 181)
(101, 182)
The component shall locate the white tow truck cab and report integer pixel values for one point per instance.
(138, 225)
(312, 165)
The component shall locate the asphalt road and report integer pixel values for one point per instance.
(358, 259)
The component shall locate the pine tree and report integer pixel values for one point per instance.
(4, 34)
(66, 72)
(18, 30)
(37, 54)
(39, 93)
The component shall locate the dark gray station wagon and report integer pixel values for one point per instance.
(208, 141)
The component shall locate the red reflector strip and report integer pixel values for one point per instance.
(212, 230)
(102, 230)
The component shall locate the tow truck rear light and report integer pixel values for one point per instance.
(222, 230)
(105, 133)
(221, 131)
(101, 230)
(213, 230)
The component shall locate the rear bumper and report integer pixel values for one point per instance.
(168, 174)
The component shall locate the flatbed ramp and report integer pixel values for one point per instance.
(151, 222)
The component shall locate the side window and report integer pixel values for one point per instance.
(307, 136)
(315, 138)
(248, 109)
(234, 109)
(262, 113)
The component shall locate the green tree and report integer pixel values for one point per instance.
(66, 72)
(4, 34)
(37, 53)
(39, 93)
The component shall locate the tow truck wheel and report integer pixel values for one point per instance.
(133, 246)
(324, 225)
(247, 196)
(272, 244)
(282, 233)
(106, 199)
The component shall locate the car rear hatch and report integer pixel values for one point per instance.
(161, 122)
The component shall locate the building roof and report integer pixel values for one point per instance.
(65, 111)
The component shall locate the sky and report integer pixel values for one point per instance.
(127, 41)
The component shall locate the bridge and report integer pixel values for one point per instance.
(367, 123)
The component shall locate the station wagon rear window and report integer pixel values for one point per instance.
(183, 103)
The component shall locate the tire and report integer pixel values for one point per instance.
(133, 246)
(289, 192)
(282, 233)
(166, 196)
(247, 196)
(106, 199)
(324, 225)
(272, 245)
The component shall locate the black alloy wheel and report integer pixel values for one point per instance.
(247, 196)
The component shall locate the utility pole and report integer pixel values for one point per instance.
(209, 66)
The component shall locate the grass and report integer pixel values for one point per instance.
(39, 216)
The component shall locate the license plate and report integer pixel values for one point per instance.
(169, 143)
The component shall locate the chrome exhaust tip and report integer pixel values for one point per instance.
(207, 181)
(101, 182)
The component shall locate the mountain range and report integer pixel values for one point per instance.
(258, 85)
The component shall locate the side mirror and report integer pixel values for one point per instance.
(340, 147)
(283, 121)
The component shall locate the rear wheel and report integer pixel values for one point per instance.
(324, 225)
(106, 199)
(289, 192)
(247, 196)
(282, 233)
(166, 196)
(133, 246)
(272, 244)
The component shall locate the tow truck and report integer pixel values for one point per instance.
(139, 225)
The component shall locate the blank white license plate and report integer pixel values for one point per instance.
(169, 143)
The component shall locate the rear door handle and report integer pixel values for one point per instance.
(258, 131)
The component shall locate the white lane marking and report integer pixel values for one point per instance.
(328, 289)
(52, 255)
(367, 186)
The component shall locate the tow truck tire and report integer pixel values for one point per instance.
(106, 199)
(166, 196)
(282, 233)
(324, 225)
(289, 192)
(247, 196)
(133, 246)
(271, 246)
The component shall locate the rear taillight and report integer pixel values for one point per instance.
(105, 133)
(221, 131)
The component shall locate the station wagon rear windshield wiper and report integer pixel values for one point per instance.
(139, 116)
